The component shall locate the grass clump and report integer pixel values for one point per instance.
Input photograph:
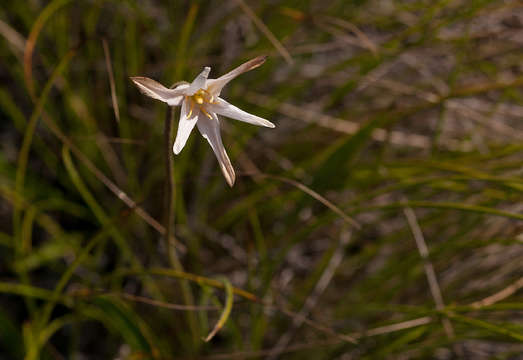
(381, 218)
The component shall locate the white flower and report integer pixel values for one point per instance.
(201, 104)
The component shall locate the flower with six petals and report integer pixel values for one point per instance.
(201, 104)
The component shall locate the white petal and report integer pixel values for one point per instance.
(157, 91)
(210, 130)
(222, 107)
(199, 82)
(215, 86)
(185, 125)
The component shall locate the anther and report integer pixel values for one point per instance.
(198, 99)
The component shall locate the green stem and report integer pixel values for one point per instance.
(185, 276)
(170, 239)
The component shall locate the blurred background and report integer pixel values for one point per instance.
(381, 218)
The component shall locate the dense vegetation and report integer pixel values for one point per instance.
(381, 218)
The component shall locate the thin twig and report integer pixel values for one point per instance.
(30, 43)
(229, 300)
(105, 180)
(432, 279)
(395, 327)
(111, 80)
(162, 304)
(111, 158)
(170, 240)
(500, 295)
(309, 192)
(313, 324)
(169, 186)
(302, 346)
(340, 34)
(265, 30)
(339, 124)
(364, 39)
(352, 40)
(16, 40)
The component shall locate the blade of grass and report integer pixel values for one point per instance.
(30, 44)
(124, 322)
(500, 295)
(114, 99)
(229, 296)
(265, 30)
(25, 290)
(23, 156)
(38, 339)
(162, 304)
(57, 291)
(432, 279)
(16, 40)
(486, 325)
(447, 205)
(97, 210)
(185, 35)
(102, 216)
(10, 336)
(169, 204)
(312, 298)
(311, 193)
(201, 280)
(104, 179)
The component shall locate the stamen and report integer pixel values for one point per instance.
(208, 94)
(190, 109)
(200, 97)
(206, 113)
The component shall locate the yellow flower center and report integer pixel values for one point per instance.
(200, 97)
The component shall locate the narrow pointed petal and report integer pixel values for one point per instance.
(199, 82)
(222, 107)
(215, 86)
(157, 91)
(187, 121)
(210, 130)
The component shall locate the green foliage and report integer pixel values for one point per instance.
(383, 106)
